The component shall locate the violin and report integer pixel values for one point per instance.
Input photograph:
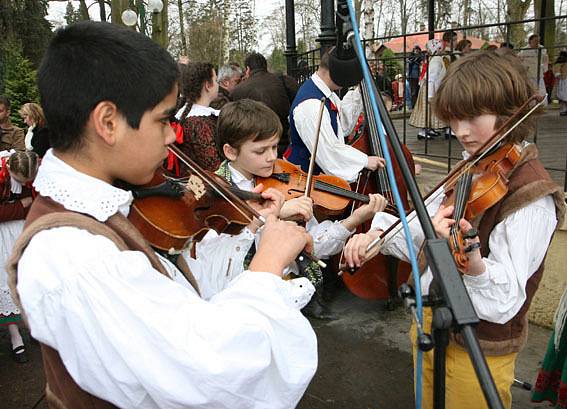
(477, 189)
(331, 195)
(171, 213)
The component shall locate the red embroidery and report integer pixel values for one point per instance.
(333, 106)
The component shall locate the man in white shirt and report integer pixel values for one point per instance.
(114, 331)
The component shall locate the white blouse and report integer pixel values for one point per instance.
(135, 338)
(334, 156)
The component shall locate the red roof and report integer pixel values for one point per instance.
(397, 44)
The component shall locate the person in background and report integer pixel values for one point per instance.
(535, 59)
(197, 119)
(463, 47)
(561, 73)
(549, 81)
(16, 173)
(432, 74)
(228, 77)
(414, 64)
(277, 91)
(11, 136)
(37, 137)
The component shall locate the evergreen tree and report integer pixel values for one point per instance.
(19, 79)
(242, 25)
(71, 14)
(24, 21)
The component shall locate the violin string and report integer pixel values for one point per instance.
(210, 183)
(373, 127)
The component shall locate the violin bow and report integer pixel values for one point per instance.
(309, 182)
(231, 197)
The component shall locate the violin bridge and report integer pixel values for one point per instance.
(196, 185)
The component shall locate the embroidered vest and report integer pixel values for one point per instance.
(297, 152)
(61, 391)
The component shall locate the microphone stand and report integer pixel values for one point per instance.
(453, 308)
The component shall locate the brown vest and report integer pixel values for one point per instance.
(528, 182)
(62, 392)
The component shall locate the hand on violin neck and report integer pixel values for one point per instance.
(476, 264)
(279, 245)
(271, 206)
(298, 209)
(375, 162)
(442, 222)
(355, 252)
(365, 212)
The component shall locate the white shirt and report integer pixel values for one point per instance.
(517, 245)
(228, 252)
(436, 73)
(135, 338)
(334, 156)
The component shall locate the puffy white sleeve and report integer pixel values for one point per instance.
(135, 338)
(518, 245)
(334, 157)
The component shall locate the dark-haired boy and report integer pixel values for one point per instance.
(114, 331)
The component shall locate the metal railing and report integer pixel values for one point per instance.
(553, 149)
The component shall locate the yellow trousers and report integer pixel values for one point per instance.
(462, 390)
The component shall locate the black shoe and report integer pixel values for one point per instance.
(563, 113)
(421, 135)
(317, 309)
(432, 133)
(19, 355)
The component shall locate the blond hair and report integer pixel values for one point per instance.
(35, 112)
(24, 164)
(486, 82)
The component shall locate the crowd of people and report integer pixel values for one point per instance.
(221, 323)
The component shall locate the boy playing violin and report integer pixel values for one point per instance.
(248, 136)
(506, 258)
(118, 325)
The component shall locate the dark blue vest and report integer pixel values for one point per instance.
(297, 152)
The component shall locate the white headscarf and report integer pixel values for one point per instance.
(434, 46)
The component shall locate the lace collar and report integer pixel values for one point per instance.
(79, 192)
(201, 110)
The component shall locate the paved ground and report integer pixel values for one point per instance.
(364, 362)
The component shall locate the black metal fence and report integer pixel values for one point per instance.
(395, 63)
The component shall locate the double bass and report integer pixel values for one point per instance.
(380, 277)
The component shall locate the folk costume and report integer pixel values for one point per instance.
(432, 74)
(334, 156)
(551, 383)
(12, 215)
(117, 333)
(503, 293)
(197, 139)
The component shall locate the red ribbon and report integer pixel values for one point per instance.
(172, 160)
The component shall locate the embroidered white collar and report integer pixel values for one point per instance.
(79, 192)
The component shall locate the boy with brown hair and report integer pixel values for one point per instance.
(481, 90)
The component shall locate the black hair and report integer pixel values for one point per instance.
(256, 61)
(90, 62)
(5, 101)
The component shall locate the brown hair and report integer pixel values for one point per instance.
(461, 45)
(483, 82)
(194, 76)
(245, 120)
(24, 164)
(35, 112)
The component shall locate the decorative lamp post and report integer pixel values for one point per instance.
(130, 17)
